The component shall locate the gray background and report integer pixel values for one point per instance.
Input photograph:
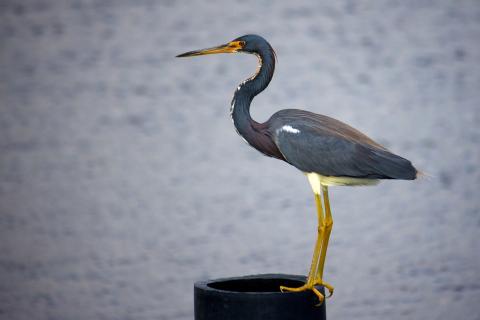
(122, 180)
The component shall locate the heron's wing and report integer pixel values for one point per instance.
(315, 143)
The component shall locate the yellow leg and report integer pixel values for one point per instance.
(327, 226)
(318, 244)
(316, 267)
(312, 275)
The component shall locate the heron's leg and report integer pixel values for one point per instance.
(312, 275)
(312, 279)
(327, 227)
(318, 244)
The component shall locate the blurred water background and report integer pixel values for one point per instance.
(122, 180)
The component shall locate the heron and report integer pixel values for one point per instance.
(328, 151)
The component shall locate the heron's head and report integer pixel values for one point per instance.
(249, 43)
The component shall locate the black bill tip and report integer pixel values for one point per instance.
(187, 54)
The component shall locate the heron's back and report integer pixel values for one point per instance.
(331, 148)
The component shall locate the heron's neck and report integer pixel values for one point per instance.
(246, 91)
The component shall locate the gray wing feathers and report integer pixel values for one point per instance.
(335, 149)
(390, 165)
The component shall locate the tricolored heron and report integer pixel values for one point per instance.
(329, 152)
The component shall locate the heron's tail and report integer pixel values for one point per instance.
(392, 166)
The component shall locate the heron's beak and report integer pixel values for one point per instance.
(230, 47)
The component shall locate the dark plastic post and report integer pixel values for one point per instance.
(256, 297)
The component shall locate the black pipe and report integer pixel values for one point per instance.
(256, 297)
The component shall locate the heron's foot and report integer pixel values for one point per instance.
(311, 286)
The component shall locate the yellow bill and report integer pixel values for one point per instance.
(230, 47)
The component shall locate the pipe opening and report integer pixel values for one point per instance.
(254, 285)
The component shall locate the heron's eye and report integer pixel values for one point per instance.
(237, 45)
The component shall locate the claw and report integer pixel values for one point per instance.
(328, 287)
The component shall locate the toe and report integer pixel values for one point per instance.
(320, 296)
(299, 289)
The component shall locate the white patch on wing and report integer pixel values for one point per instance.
(290, 129)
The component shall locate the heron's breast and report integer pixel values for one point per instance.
(317, 180)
